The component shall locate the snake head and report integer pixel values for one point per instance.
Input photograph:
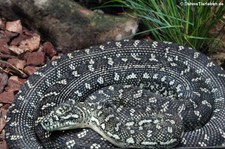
(65, 116)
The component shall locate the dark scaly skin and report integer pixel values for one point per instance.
(115, 114)
(135, 62)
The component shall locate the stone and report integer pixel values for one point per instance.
(2, 24)
(16, 41)
(3, 144)
(17, 63)
(2, 123)
(31, 44)
(14, 26)
(35, 58)
(16, 50)
(30, 70)
(7, 97)
(48, 48)
(3, 81)
(4, 49)
(14, 83)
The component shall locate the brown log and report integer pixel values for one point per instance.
(69, 25)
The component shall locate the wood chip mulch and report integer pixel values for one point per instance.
(21, 54)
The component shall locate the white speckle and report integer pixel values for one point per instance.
(130, 140)
(138, 94)
(196, 55)
(87, 51)
(82, 134)
(93, 119)
(148, 143)
(87, 86)
(197, 113)
(91, 61)
(129, 124)
(202, 144)
(72, 67)
(100, 80)
(136, 42)
(205, 102)
(146, 76)
(118, 44)
(140, 123)
(153, 58)
(132, 76)
(155, 76)
(78, 93)
(70, 56)
(113, 135)
(132, 131)
(108, 117)
(149, 133)
(95, 146)
(181, 48)
(62, 82)
(168, 142)
(70, 144)
(170, 130)
(155, 44)
(110, 61)
(135, 56)
(118, 126)
(103, 126)
(91, 68)
(116, 77)
(75, 74)
(124, 59)
(102, 47)
(152, 100)
(163, 78)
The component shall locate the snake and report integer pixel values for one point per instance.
(171, 74)
(115, 114)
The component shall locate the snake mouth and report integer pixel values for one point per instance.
(48, 126)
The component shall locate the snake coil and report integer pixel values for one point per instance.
(164, 68)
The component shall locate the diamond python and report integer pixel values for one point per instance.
(163, 68)
(114, 113)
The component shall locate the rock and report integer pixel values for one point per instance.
(3, 145)
(4, 49)
(2, 24)
(3, 81)
(4, 111)
(16, 41)
(6, 106)
(11, 35)
(49, 49)
(14, 83)
(7, 97)
(4, 39)
(14, 26)
(17, 63)
(2, 123)
(35, 58)
(31, 44)
(30, 70)
(16, 50)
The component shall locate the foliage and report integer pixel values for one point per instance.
(176, 20)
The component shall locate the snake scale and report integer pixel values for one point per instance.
(162, 68)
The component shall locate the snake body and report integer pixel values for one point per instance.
(115, 114)
(165, 69)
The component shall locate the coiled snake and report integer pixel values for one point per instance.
(169, 70)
